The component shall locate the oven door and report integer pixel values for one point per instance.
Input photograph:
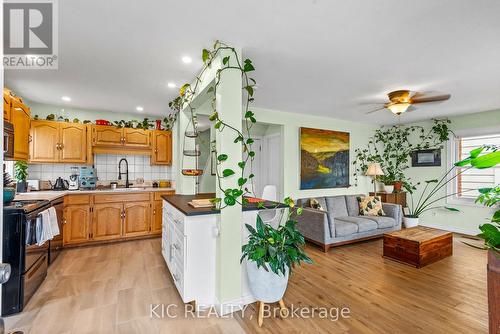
(33, 252)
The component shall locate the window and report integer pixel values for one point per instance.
(468, 181)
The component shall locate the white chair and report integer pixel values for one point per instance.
(269, 193)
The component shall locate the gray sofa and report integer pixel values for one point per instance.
(341, 223)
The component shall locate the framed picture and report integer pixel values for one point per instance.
(324, 159)
(426, 158)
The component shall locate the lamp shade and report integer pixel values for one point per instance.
(374, 169)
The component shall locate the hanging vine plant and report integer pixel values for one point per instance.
(187, 92)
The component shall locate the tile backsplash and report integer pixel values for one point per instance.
(107, 169)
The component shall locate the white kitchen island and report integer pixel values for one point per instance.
(189, 246)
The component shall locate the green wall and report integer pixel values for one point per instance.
(471, 215)
(291, 123)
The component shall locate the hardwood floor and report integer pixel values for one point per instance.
(109, 289)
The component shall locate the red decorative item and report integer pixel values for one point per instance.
(102, 122)
(158, 124)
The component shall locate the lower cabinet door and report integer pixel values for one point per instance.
(137, 218)
(107, 221)
(156, 222)
(76, 224)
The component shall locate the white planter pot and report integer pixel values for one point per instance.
(410, 222)
(388, 189)
(266, 286)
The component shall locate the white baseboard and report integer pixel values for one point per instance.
(451, 228)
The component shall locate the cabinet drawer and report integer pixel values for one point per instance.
(177, 223)
(76, 199)
(178, 277)
(178, 246)
(111, 198)
(159, 194)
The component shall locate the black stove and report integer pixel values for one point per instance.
(26, 206)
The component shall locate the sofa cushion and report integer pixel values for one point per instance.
(383, 221)
(343, 229)
(364, 224)
(336, 206)
(352, 205)
(370, 206)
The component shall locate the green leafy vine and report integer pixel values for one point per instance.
(186, 95)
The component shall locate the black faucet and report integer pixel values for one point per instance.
(126, 171)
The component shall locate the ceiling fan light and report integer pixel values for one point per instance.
(399, 108)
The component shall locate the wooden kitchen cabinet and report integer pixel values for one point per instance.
(107, 221)
(76, 224)
(105, 135)
(44, 141)
(156, 220)
(136, 218)
(136, 137)
(6, 104)
(58, 142)
(20, 117)
(162, 148)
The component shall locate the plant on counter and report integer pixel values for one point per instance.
(187, 92)
(271, 253)
(21, 173)
(391, 148)
(483, 157)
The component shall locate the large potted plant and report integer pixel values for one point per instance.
(21, 173)
(270, 254)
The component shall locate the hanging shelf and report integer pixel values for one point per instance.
(191, 134)
(192, 172)
(192, 153)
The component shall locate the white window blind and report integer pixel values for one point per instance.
(469, 181)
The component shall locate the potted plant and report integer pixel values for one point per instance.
(482, 157)
(270, 254)
(389, 181)
(21, 173)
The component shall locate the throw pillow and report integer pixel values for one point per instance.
(314, 203)
(370, 206)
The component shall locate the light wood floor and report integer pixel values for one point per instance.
(109, 289)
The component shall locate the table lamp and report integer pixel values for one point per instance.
(374, 170)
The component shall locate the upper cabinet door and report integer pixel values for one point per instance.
(44, 145)
(104, 135)
(6, 104)
(162, 148)
(20, 117)
(73, 142)
(136, 137)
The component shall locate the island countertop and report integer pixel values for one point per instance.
(180, 202)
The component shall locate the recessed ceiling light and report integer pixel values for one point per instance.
(139, 108)
(186, 59)
(171, 85)
(66, 98)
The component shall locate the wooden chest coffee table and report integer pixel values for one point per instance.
(418, 246)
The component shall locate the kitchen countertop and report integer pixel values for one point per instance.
(180, 202)
(52, 195)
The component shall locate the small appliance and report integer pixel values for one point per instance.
(88, 178)
(60, 184)
(33, 184)
(74, 182)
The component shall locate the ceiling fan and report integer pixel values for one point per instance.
(400, 101)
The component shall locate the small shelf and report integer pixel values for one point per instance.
(191, 134)
(192, 172)
(192, 153)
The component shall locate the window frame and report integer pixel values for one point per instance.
(453, 156)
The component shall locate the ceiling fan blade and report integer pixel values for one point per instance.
(426, 99)
(374, 110)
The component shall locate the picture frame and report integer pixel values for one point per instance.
(426, 158)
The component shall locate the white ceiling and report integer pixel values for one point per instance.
(318, 57)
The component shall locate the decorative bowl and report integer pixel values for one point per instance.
(8, 194)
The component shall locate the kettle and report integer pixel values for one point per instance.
(60, 184)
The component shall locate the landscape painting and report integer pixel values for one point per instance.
(324, 159)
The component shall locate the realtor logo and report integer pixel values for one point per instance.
(30, 34)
